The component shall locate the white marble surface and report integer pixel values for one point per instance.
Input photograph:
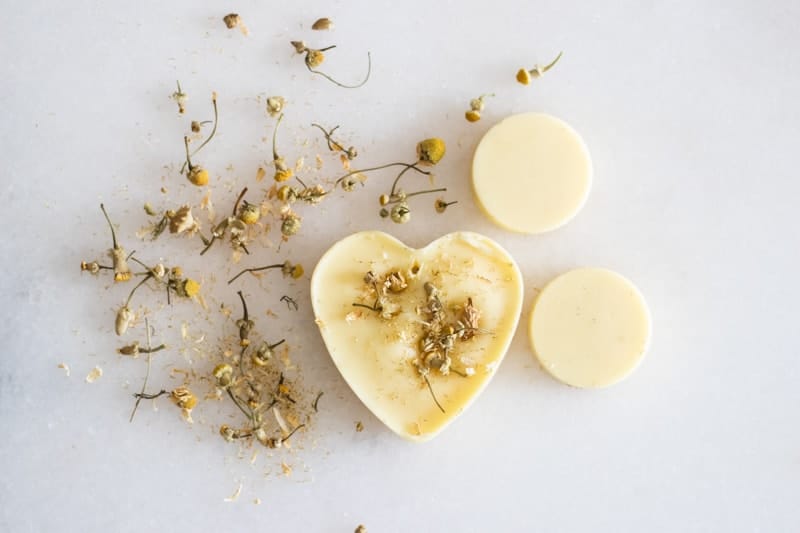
(691, 113)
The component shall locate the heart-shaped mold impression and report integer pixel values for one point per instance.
(417, 333)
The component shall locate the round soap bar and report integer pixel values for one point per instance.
(590, 327)
(531, 173)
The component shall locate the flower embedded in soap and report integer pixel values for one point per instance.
(314, 57)
(525, 76)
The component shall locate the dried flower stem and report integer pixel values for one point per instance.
(366, 78)
(258, 269)
(316, 401)
(110, 225)
(408, 166)
(133, 290)
(238, 200)
(210, 136)
(149, 353)
(290, 302)
(275, 155)
(430, 388)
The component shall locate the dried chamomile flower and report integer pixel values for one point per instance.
(349, 183)
(93, 267)
(275, 105)
(525, 76)
(290, 225)
(292, 270)
(182, 220)
(249, 213)
(282, 171)
(188, 288)
(441, 205)
(196, 174)
(180, 98)
(287, 193)
(184, 398)
(314, 57)
(223, 374)
(265, 352)
(476, 106)
(395, 282)
(244, 324)
(430, 151)
(401, 213)
(323, 23)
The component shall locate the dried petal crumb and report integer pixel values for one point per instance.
(359, 426)
(65, 367)
(95, 374)
(235, 496)
(287, 470)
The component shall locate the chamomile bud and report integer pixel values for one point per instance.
(299, 46)
(249, 213)
(92, 267)
(197, 176)
(314, 58)
(275, 105)
(401, 213)
(383, 199)
(227, 432)
(430, 151)
(472, 115)
(189, 288)
(287, 193)
(383, 212)
(264, 353)
(184, 398)
(441, 206)
(223, 373)
(290, 225)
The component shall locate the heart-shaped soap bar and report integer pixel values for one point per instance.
(417, 334)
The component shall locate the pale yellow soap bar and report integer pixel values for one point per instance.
(590, 327)
(531, 173)
(377, 351)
